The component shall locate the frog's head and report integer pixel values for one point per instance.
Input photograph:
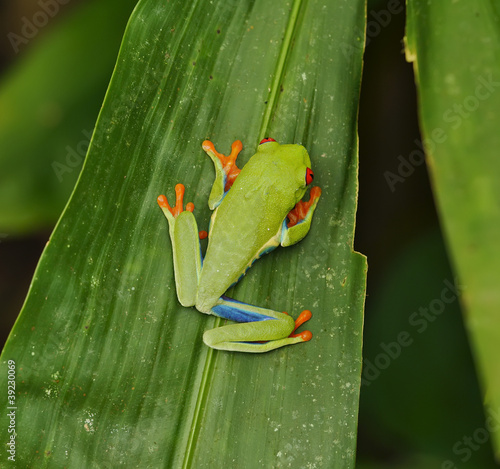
(295, 162)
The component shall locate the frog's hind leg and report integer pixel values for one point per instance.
(260, 330)
(185, 246)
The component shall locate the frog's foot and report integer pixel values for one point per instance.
(177, 209)
(301, 209)
(303, 317)
(228, 162)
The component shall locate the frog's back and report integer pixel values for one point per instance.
(245, 225)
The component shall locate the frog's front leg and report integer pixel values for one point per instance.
(299, 219)
(260, 330)
(226, 170)
(185, 246)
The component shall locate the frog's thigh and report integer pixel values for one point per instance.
(257, 324)
(187, 257)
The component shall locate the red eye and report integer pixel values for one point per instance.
(309, 176)
(268, 139)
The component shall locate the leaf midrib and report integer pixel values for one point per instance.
(206, 377)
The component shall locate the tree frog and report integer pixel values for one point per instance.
(255, 209)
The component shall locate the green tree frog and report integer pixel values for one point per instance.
(255, 209)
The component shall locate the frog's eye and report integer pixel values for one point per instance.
(265, 140)
(309, 176)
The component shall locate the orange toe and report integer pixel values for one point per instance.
(305, 336)
(303, 317)
(179, 201)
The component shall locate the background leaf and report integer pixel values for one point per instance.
(455, 49)
(110, 369)
(50, 101)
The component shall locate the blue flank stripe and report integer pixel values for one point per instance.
(236, 314)
(263, 252)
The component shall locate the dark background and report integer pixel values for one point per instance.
(420, 399)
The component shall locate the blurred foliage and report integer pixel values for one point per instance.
(420, 397)
(49, 101)
(396, 430)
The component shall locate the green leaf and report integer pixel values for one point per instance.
(111, 370)
(50, 101)
(455, 48)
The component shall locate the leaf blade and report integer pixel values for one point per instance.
(126, 361)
